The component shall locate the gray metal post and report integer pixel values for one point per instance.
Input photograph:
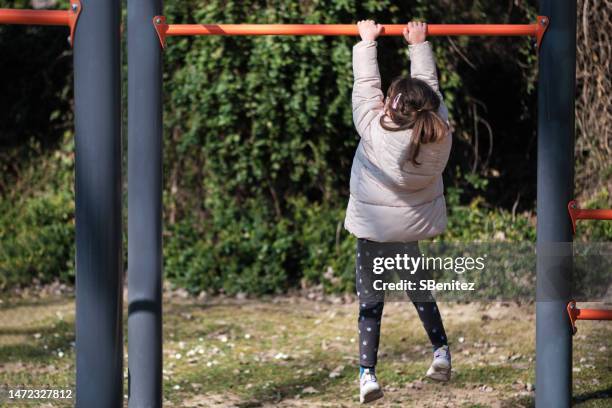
(556, 90)
(144, 205)
(99, 276)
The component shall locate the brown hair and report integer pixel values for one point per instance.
(412, 104)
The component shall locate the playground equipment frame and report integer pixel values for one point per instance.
(555, 163)
(96, 38)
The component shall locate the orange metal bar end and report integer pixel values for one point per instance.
(67, 18)
(161, 28)
(572, 312)
(586, 214)
(572, 208)
(73, 18)
(586, 314)
(542, 25)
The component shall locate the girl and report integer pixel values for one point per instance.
(397, 193)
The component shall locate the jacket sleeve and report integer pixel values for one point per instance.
(367, 94)
(423, 67)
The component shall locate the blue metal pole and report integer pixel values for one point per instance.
(99, 269)
(556, 90)
(144, 205)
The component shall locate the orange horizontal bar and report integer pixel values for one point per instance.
(45, 17)
(164, 30)
(597, 214)
(347, 29)
(593, 314)
(35, 17)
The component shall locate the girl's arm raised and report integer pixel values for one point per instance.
(422, 61)
(423, 64)
(367, 93)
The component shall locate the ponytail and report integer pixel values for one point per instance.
(415, 107)
(428, 128)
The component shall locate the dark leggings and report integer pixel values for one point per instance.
(370, 309)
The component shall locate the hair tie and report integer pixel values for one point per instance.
(396, 100)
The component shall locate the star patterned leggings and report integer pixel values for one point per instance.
(370, 310)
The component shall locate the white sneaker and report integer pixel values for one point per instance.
(369, 389)
(440, 369)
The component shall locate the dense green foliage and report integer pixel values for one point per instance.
(259, 143)
(37, 222)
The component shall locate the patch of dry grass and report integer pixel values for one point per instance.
(291, 352)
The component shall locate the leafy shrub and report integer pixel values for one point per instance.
(326, 249)
(241, 252)
(37, 220)
(37, 239)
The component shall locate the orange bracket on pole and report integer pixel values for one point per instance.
(164, 30)
(586, 314)
(67, 18)
(584, 214)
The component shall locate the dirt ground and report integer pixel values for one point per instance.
(293, 352)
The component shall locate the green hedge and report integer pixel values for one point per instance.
(37, 222)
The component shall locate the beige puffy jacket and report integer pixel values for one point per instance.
(391, 199)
